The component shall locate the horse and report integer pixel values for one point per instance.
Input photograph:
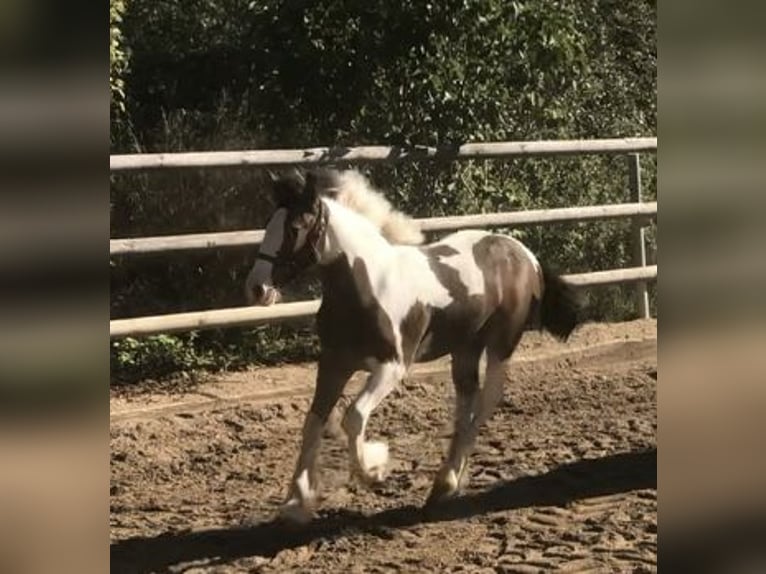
(389, 301)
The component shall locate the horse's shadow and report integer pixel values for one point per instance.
(567, 483)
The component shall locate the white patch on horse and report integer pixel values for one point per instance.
(352, 234)
(274, 236)
(409, 266)
(463, 261)
(369, 459)
(272, 241)
(388, 266)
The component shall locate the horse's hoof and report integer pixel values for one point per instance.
(372, 477)
(446, 486)
(376, 475)
(376, 459)
(377, 464)
(296, 513)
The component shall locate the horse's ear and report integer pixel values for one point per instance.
(287, 189)
(272, 181)
(299, 175)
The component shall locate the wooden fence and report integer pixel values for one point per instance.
(638, 211)
(376, 154)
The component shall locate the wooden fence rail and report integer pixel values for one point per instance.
(376, 154)
(639, 211)
(240, 316)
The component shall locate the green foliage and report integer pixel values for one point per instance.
(423, 73)
(275, 344)
(231, 74)
(156, 356)
(118, 58)
(163, 356)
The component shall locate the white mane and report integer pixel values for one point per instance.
(356, 192)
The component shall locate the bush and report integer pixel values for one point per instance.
(156, 357)
(161, 357)
(216, 74)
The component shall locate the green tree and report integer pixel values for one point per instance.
(118, 59)
(224, 74)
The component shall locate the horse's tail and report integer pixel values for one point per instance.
(561, 308)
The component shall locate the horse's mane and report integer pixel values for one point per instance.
(354, 191)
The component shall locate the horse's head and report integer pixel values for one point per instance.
(294, 237)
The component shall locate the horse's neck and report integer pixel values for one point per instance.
(355, 257)
(354, 236)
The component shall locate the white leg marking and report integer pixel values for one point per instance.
(302, 496)
(471, 415)
(370, 459)
(449, 477)
(375, 460)
(304, 487)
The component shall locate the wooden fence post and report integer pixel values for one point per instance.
(637, 234)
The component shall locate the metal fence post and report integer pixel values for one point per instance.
(637, 234)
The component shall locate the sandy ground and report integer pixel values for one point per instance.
(563, 477)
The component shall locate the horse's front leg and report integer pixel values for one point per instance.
(333, 374)
(369, 459)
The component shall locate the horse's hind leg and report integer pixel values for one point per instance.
(333, 374)
(502, 341)
(465, 377)
(450, 477)
(369, 459)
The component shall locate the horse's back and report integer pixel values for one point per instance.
(468, 289)
(493, 281)
(476, 253)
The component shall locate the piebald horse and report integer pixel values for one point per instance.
(388, 302)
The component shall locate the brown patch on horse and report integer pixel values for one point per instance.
(448, 327)
(440, 250)
(513, 286)
(505, 264)
(512, 290)
(412, 329)
(350, 321)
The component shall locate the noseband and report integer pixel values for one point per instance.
(310, 252)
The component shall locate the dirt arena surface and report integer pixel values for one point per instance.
(562, 479)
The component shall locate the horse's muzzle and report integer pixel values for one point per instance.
(263, 295)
